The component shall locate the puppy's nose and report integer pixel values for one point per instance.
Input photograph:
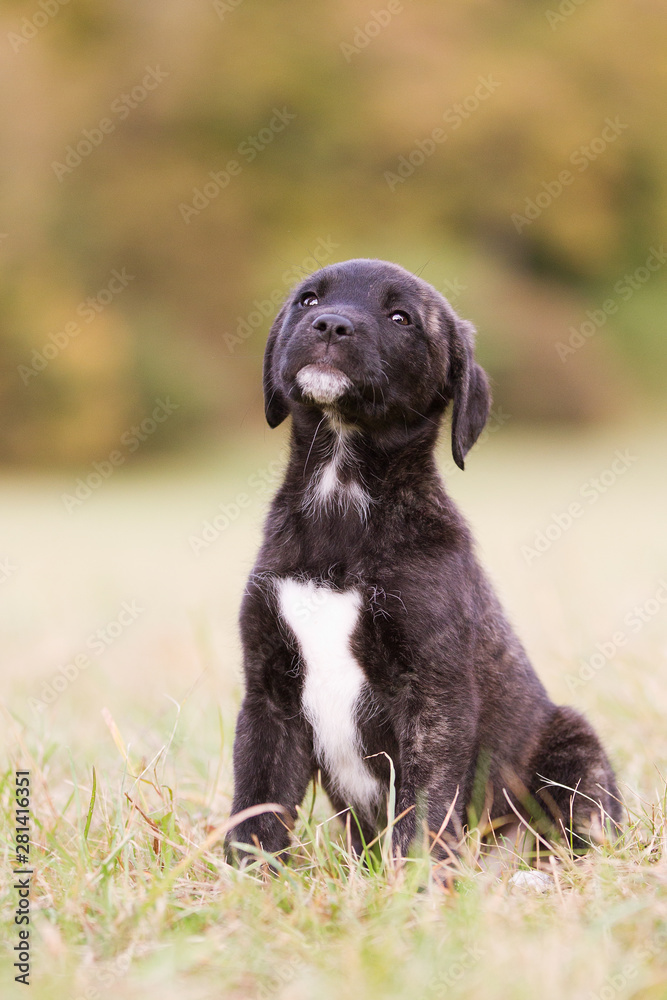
(330, 325)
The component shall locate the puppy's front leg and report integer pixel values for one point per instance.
(272, 763)
(414, 776)
(432, 770)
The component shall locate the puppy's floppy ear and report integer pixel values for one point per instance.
(468, 386)
(275, 403)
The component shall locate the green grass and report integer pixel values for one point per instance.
(131, 764)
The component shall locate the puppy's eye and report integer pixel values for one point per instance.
(400, 317)
(309, 299)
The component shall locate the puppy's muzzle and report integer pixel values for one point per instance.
(331, 326)
(323, 382)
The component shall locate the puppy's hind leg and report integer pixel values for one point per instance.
(573, 781)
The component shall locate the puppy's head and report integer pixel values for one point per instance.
(379, 347)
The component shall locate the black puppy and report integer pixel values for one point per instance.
(369, 630)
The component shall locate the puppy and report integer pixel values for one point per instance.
(370, 633)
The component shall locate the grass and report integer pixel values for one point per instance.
(131, 762)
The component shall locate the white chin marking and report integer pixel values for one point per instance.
(322, 385)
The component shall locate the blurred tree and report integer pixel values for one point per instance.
(208, 151)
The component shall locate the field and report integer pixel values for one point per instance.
(121, 681)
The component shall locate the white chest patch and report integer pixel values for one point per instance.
(323, 621)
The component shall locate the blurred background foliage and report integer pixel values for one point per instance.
(190, 323)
